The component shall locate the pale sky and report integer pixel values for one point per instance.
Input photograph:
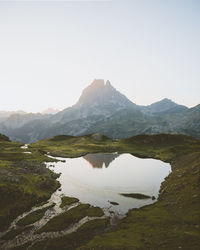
(51, 50)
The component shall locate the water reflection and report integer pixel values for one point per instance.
(103, 186)
(100, 159)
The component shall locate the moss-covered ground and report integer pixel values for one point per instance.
(70, 146)
(14, 232)
(34, 216)
(66, 201)
(173, 222)
(24, 180)
(66, 219)
(76, 239)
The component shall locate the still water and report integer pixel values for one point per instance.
(99, 179)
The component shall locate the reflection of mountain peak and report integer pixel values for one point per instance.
(97, 160)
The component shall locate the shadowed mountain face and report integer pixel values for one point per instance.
(103, 109)
(100, 159)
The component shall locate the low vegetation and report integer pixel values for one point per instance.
(34, 216)
(74, 240)
(14, 232)
(172, 222)
(66, 219)
(66, 201)
(71, 146)
(24, 180)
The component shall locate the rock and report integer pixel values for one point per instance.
(114, 203)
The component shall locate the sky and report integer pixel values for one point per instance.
(51, 50)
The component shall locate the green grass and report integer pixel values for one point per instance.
(69, 146)
(72, 241)
(172, 222)
(22, 247)
(66, 201)
(14, 232)
(24, 180)
(64, 220)
(34, 216)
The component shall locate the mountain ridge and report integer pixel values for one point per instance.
(103, 109)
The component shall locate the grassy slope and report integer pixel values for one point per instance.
(24, 180)
(70, 146)
(172, 222)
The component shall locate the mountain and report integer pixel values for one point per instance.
(100, 94)
(163, 106)
(189, 122)
(50, 111)
(103, 109)
(17, 128)
(99, 99)
(5, 114)
(128, 122)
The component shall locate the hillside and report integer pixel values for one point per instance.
(24, 180)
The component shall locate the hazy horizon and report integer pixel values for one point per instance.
(51, 50)
(54, 108)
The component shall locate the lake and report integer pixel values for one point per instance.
(101, 179)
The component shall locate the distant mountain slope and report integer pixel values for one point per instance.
(163, 106)
(103, 109)
(189, 122)
(129, 122)
(5, 114)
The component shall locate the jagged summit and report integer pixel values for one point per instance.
(101, 109)
(101, 93)
(50, 111)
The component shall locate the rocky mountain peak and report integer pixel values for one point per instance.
(101, 93)
(108, 84)
(50, 111)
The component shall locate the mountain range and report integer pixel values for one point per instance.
(103, 109)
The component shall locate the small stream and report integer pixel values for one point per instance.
(31, 235)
